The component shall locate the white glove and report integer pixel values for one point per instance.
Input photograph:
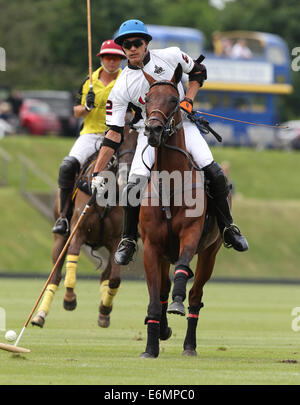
(99, 184)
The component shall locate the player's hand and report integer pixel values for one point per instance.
(98, 184)
(187, 105)
(90, 100)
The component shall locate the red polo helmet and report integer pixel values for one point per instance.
(109, 47)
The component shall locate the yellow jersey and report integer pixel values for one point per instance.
(94, 122)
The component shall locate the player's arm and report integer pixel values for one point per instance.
(197, 75)
(110, 145)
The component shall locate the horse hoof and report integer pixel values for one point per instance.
(103, 321)
(176, 307)
(167, 333)
(38, 321)
(189, 352)
(146, 355)
(70, 305)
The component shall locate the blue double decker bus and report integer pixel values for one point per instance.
(248, 72)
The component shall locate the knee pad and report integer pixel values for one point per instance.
(68, 171)
(218, 184)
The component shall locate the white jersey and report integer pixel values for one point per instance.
(132, 86)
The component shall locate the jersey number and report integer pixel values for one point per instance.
(109, 106)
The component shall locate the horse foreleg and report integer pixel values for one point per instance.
(204, 269)
(109, 286)
(183, 273)
(152, 266)
(43, 310)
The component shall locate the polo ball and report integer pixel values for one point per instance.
(10, 335)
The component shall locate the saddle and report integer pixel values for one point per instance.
(83, 182)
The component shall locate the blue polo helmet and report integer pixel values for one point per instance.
(131, 28)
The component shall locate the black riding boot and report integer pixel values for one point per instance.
(62, 225)
(219, 190)
(67, 174)
(128, 243)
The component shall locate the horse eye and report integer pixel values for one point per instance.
(146, 99)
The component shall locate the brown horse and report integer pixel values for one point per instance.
(170, 235)
(102, 227)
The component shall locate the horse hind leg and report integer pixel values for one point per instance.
(189, 346)
(204, 269)
(109, 286)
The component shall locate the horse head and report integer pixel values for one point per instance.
(162, 103)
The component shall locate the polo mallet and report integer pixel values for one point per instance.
(15, 348)
(88, 6)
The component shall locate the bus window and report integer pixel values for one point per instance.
(275, 55)
(259, 103)
(201, 102)
(226, 101)
(241, 103)
(214, 100)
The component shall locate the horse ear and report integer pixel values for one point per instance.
(150, 79)
(177, 74)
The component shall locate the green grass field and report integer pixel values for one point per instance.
(244, 338)
(266, 206)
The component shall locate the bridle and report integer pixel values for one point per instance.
(169, 125)
(169, 122)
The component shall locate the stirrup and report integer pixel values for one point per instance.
(122, 245)
(61, 220)
(235, 229)
(134, 242)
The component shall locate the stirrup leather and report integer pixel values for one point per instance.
(235, 229)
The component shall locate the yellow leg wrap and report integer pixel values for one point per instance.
(71, 267)
(48, 297)
(104, 287)
(109, 296)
